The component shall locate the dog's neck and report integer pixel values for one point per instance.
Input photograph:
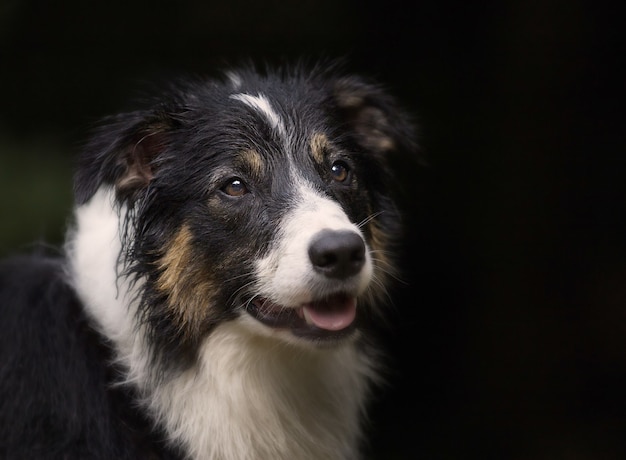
(253, 398)
(248, 396)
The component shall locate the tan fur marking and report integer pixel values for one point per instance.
(384, 266)
(382, 143)
(319, 144)
(371, 125)
(349, 96)
(188, 288)
(252, 160)
(350, 101)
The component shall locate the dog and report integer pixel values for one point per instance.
(225, 271)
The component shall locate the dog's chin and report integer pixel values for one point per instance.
(324, 321)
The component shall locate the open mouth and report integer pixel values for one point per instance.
(329, 318)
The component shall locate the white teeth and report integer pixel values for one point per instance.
(304, 313)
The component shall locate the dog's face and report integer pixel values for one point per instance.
(261, 199)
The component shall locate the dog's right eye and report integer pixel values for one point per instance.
(235, 187)
(340, 171)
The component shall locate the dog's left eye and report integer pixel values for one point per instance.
(340, 171)
(235, 187)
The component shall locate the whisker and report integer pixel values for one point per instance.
(240, 288)
(381, 265)
(238, 276)
(244, 305)
(369, 219)
(380, 291)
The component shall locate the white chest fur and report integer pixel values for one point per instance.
(253, 398)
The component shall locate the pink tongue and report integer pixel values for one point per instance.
(333, 315)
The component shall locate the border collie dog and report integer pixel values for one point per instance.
(225, 271)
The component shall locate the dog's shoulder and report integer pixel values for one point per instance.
(55, 371)
(34, 298)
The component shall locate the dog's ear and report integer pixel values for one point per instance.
(378, 123)
(381, 127)
(123, 153)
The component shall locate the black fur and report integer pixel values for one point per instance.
(57, 400)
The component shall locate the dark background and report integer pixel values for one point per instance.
(510, 332)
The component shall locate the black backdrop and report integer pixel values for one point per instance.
(510, 333)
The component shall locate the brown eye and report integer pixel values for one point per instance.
(235, 187)
(340, 171)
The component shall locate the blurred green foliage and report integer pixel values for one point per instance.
(35, 203)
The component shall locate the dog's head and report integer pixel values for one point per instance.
(260, 198)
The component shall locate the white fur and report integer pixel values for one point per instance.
(250, 396)
(263, 106)
(93, 248)
(256, 398)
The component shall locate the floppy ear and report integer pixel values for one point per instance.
(123, 154)
(379, 124)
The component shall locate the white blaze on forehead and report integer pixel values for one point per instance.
(263, 106)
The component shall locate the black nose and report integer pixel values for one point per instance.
(337, 254)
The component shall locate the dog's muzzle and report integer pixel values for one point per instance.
(338, 256)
